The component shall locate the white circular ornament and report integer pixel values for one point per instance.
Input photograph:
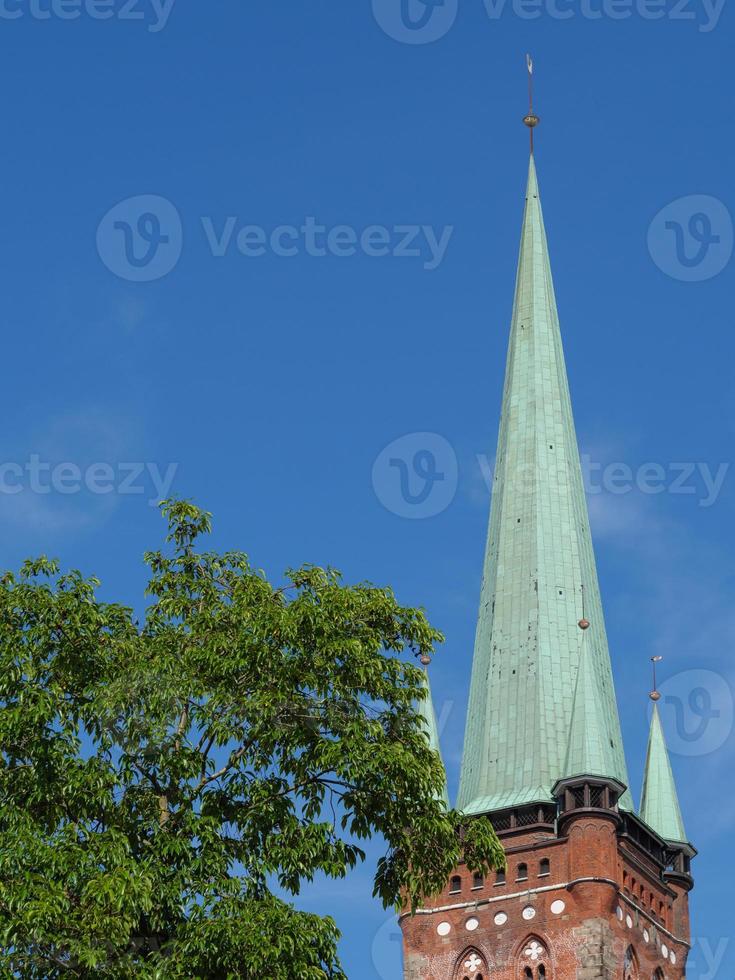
(529, 912)
(471, 924)
(629, 922)
(646, 935)
(664, 951)
(444, 928)
(619, 913)
(534, 950)
(558, 907)
(500, 919)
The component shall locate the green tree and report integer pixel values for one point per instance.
(166, 786)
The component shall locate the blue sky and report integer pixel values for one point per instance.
(266, 386)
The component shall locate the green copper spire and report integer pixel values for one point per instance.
(659, 802)
(539, 576)
(426, 710)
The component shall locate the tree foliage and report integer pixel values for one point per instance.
(167, 786)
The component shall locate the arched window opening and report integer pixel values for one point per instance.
(455, 885)
(630, 969)
(522, 872)
(544, 867)
(500, 878)
(533, 954)
(478, 880)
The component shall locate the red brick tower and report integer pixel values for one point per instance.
(590, 892)
(593, 889)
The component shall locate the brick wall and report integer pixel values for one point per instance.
(577, 921)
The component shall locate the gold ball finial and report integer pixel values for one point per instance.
(655, 696)
(531, 120)
(584, 624)
(425, 659)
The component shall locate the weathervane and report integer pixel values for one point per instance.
(531, 120)
(655, 694)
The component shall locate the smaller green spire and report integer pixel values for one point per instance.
(659, 801)
(426, 710)
(589, 752)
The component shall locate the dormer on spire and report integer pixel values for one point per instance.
(426, 710)
(588, 751)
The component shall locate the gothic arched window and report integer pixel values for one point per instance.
(544, 867)
(455, 885)
(471, 966)
(534, 960)
(522, 872)
(630, 968)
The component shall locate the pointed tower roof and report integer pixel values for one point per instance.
(588, 749)
(659, 801)
(426, 710)
(539, 577)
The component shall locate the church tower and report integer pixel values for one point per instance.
(592, 889)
